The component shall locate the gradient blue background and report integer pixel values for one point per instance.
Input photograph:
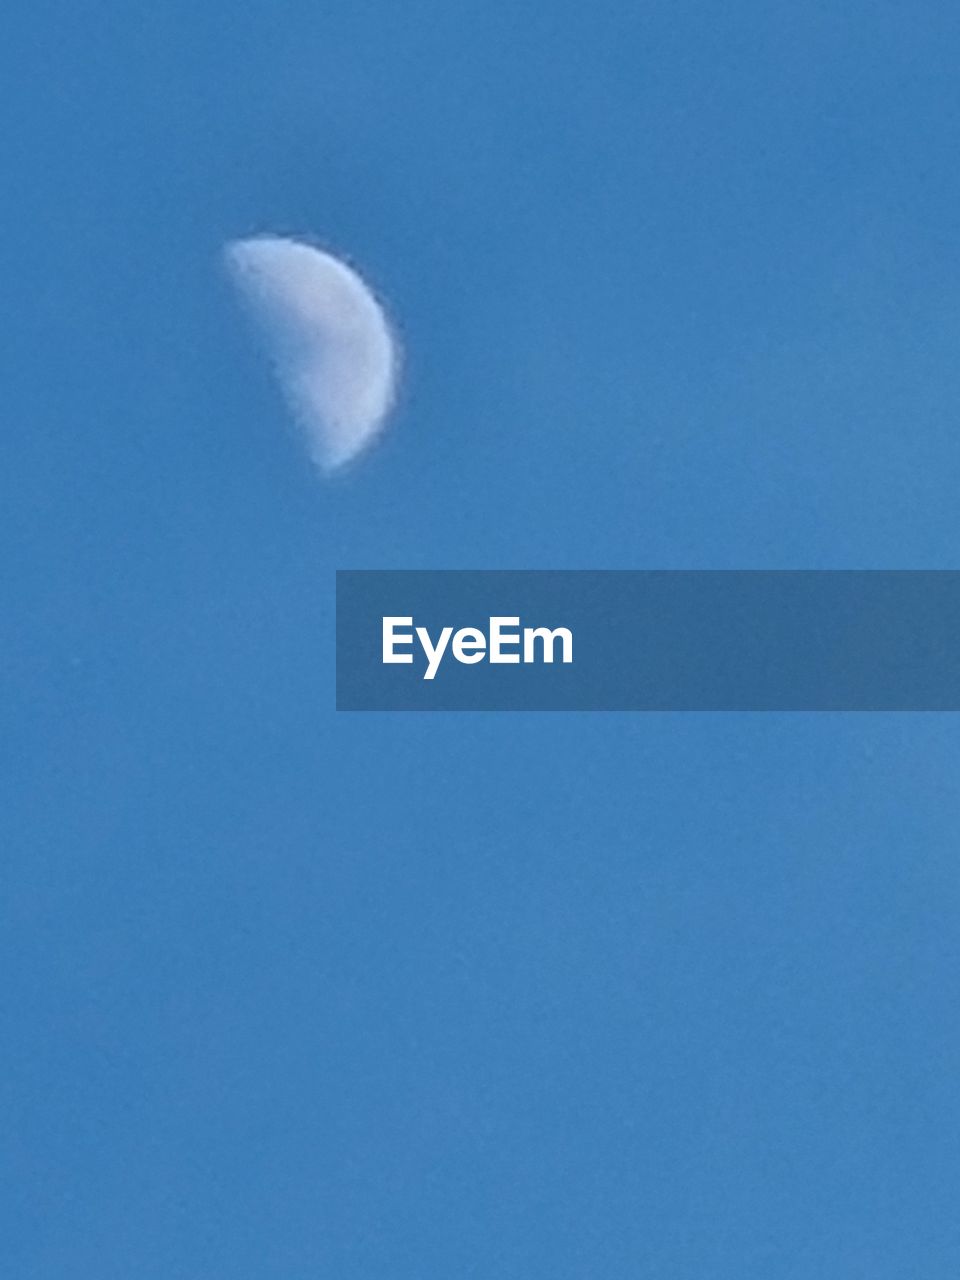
(290, 995)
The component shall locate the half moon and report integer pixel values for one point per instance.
(329, 339)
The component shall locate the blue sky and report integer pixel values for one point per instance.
(290, 994)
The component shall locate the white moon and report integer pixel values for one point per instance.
(331, 344)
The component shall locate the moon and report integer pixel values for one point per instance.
(332, 348)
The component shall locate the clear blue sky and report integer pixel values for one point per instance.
(289, 995)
